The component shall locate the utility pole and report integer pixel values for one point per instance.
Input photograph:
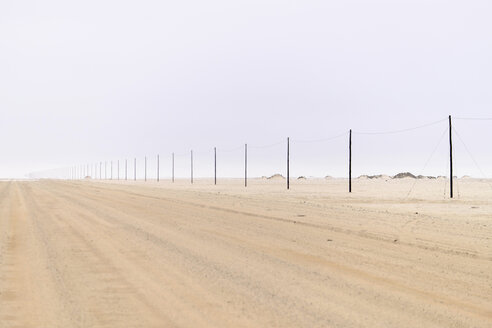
(245, 165)
(192, 167)
(288, 163)
(450, 158)
(350, 160)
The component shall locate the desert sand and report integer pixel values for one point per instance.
(148, 254)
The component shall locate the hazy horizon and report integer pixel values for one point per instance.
(105, 80)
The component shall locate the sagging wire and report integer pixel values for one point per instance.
(181, 154)
(320, 140)
(231, 149)
(473, 118)
(269, 145)
(428, 161)
(403, 130)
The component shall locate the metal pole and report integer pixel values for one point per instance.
(215, 165)
(105, 171)
(145, 169)
(288, 163)
(111, 177)
(135, 169)
(157, 167)
(192, 166)
(118, 169)
(245, 165)
(450, 158)
(173, 169)
(126, 169)
(350, 161)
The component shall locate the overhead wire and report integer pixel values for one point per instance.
(473, 118)
(231, 149)
(402, 130)
(269, 145)
(320, 140)
(293, 140)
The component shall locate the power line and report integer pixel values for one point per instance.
(473, 118)
(268, 146)
(403, 130)
(232, 149)
(320, 140)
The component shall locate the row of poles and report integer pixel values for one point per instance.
(85, 169)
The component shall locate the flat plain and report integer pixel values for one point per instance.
(394, 253)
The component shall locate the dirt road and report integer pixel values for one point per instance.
(87, 254)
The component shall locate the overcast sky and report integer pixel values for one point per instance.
(89, 81)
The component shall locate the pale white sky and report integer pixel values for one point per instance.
(89, 81)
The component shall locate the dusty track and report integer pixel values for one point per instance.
(80, 254)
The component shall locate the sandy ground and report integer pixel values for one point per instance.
(115, 254)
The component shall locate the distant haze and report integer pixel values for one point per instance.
(92, 81)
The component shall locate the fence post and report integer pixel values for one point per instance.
(450, 158)
(288, 163)
(350, 160)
